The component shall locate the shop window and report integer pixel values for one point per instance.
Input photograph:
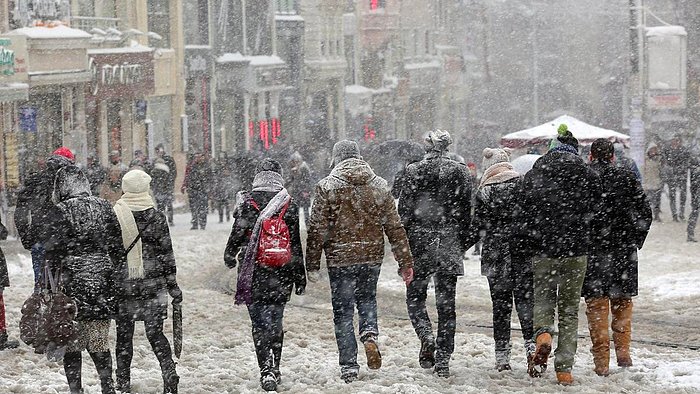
(159, 22)
(377, 4)
(196, 32)
(259, 30)
(285, 7)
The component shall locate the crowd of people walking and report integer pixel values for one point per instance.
(566, 229)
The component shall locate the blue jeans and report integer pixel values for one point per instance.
(38, 259)
(351, 286)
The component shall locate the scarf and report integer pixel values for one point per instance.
(123, 209)
(244, 287)
(565, 148)
(498, 173)
(268, 181)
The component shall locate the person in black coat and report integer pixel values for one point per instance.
(197, 184)
(508, 273)
(84, 248)
(676, 160)
(619, 228)
(271, 287)
(435, 209)
(694, 199)
(561, 195)
(164, 172)
(33, 206)
(146, 278)
(4, 282)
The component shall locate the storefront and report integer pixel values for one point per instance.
(121, 79)
(14, 88)
(250, 117)
(199, 68)
(54, 112)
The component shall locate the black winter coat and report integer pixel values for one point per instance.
(85, 242)
(676, 160)
(493, 224)
(619, 228)
(147, 297)
(199, 177)
(4, 276)
(34, 202)
(560, 196)
(435, 209)
(270, 285)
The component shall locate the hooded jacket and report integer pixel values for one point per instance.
(85, 244)
(561, 194)
(435, 208)
(352, 211)
(34, 202)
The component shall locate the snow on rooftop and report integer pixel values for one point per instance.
(129, 49)
(290, 17)
(658, 31)
(51, 32)
(358, 89)
(416, 66)
(254, 60)
(231, 57)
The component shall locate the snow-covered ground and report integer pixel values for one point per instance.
(218, 352)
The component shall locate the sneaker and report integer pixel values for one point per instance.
(374, 357)
(503, 367)
(426, 357)
(349, 376)
(442, 371)
(268, 382)
(692, 239)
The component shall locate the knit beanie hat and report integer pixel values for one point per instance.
(136, 181)
(564, 136)
(268, 165)
(343, 150)
(65, 152)
(493, 156)
(602, 150)
(438, 140)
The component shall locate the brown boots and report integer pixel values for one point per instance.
(538, 364)
(597, 310)
(622, 330)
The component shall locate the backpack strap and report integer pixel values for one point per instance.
(254, 204)
(284, 209)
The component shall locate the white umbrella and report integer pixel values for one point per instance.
(524, 163)
(584, 132)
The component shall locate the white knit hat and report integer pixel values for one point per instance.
(493, 156)
(136, 181)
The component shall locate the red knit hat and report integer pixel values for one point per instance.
(65, 152)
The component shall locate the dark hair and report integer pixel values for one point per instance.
(602, 149)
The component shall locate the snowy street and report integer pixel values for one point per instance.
(218, 352)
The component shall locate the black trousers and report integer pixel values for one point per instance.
(654, 197)
(223, 206)
(125, 347)
(268, 335)
(199, 205)
(517, 286)
(678, 182)
(416, 294)
(164, 202)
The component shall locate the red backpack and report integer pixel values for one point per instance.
(274, 245)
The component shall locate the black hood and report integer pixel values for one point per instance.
(70, 182)
(56, 162)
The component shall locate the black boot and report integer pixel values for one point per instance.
(426, 356)
(5, 343)
(277, 354)
(170, 379)
(103, 364)
(72, 365)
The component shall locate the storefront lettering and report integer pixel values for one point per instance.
(118, 74)
(7, 61)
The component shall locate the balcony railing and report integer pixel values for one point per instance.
(87, 23)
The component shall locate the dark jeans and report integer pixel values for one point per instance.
(125, 347)
(518, 287)
(223, 206)
(416, 294)
(38, 258)
(693, 218)
(654, 197)
(677, 182)
(199, 204)
(164, 202)
(268, 335)
(351, 286)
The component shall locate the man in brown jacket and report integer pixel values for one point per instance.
(352, 211)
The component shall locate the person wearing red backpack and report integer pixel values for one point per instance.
(265, 240)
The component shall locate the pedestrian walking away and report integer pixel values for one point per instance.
(164, 173)
(676, 162)
(146, 277)
(33, 205)
(620, 227)
(694, 199)
(299, 182)
(435, 208)
(265, 278)
(509, 273)
(197, 185)
(84, 248)
(560, 196)
(352, 211)
(652, 184)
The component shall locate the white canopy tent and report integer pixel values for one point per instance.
(584, 132)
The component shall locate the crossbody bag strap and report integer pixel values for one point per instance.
(138, 237)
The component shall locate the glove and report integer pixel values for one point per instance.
(313, 276)
(406, 275)
(175, 293)
(232, 261)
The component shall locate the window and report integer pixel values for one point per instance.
(285, 7)
(377, 4)
(159, 22)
